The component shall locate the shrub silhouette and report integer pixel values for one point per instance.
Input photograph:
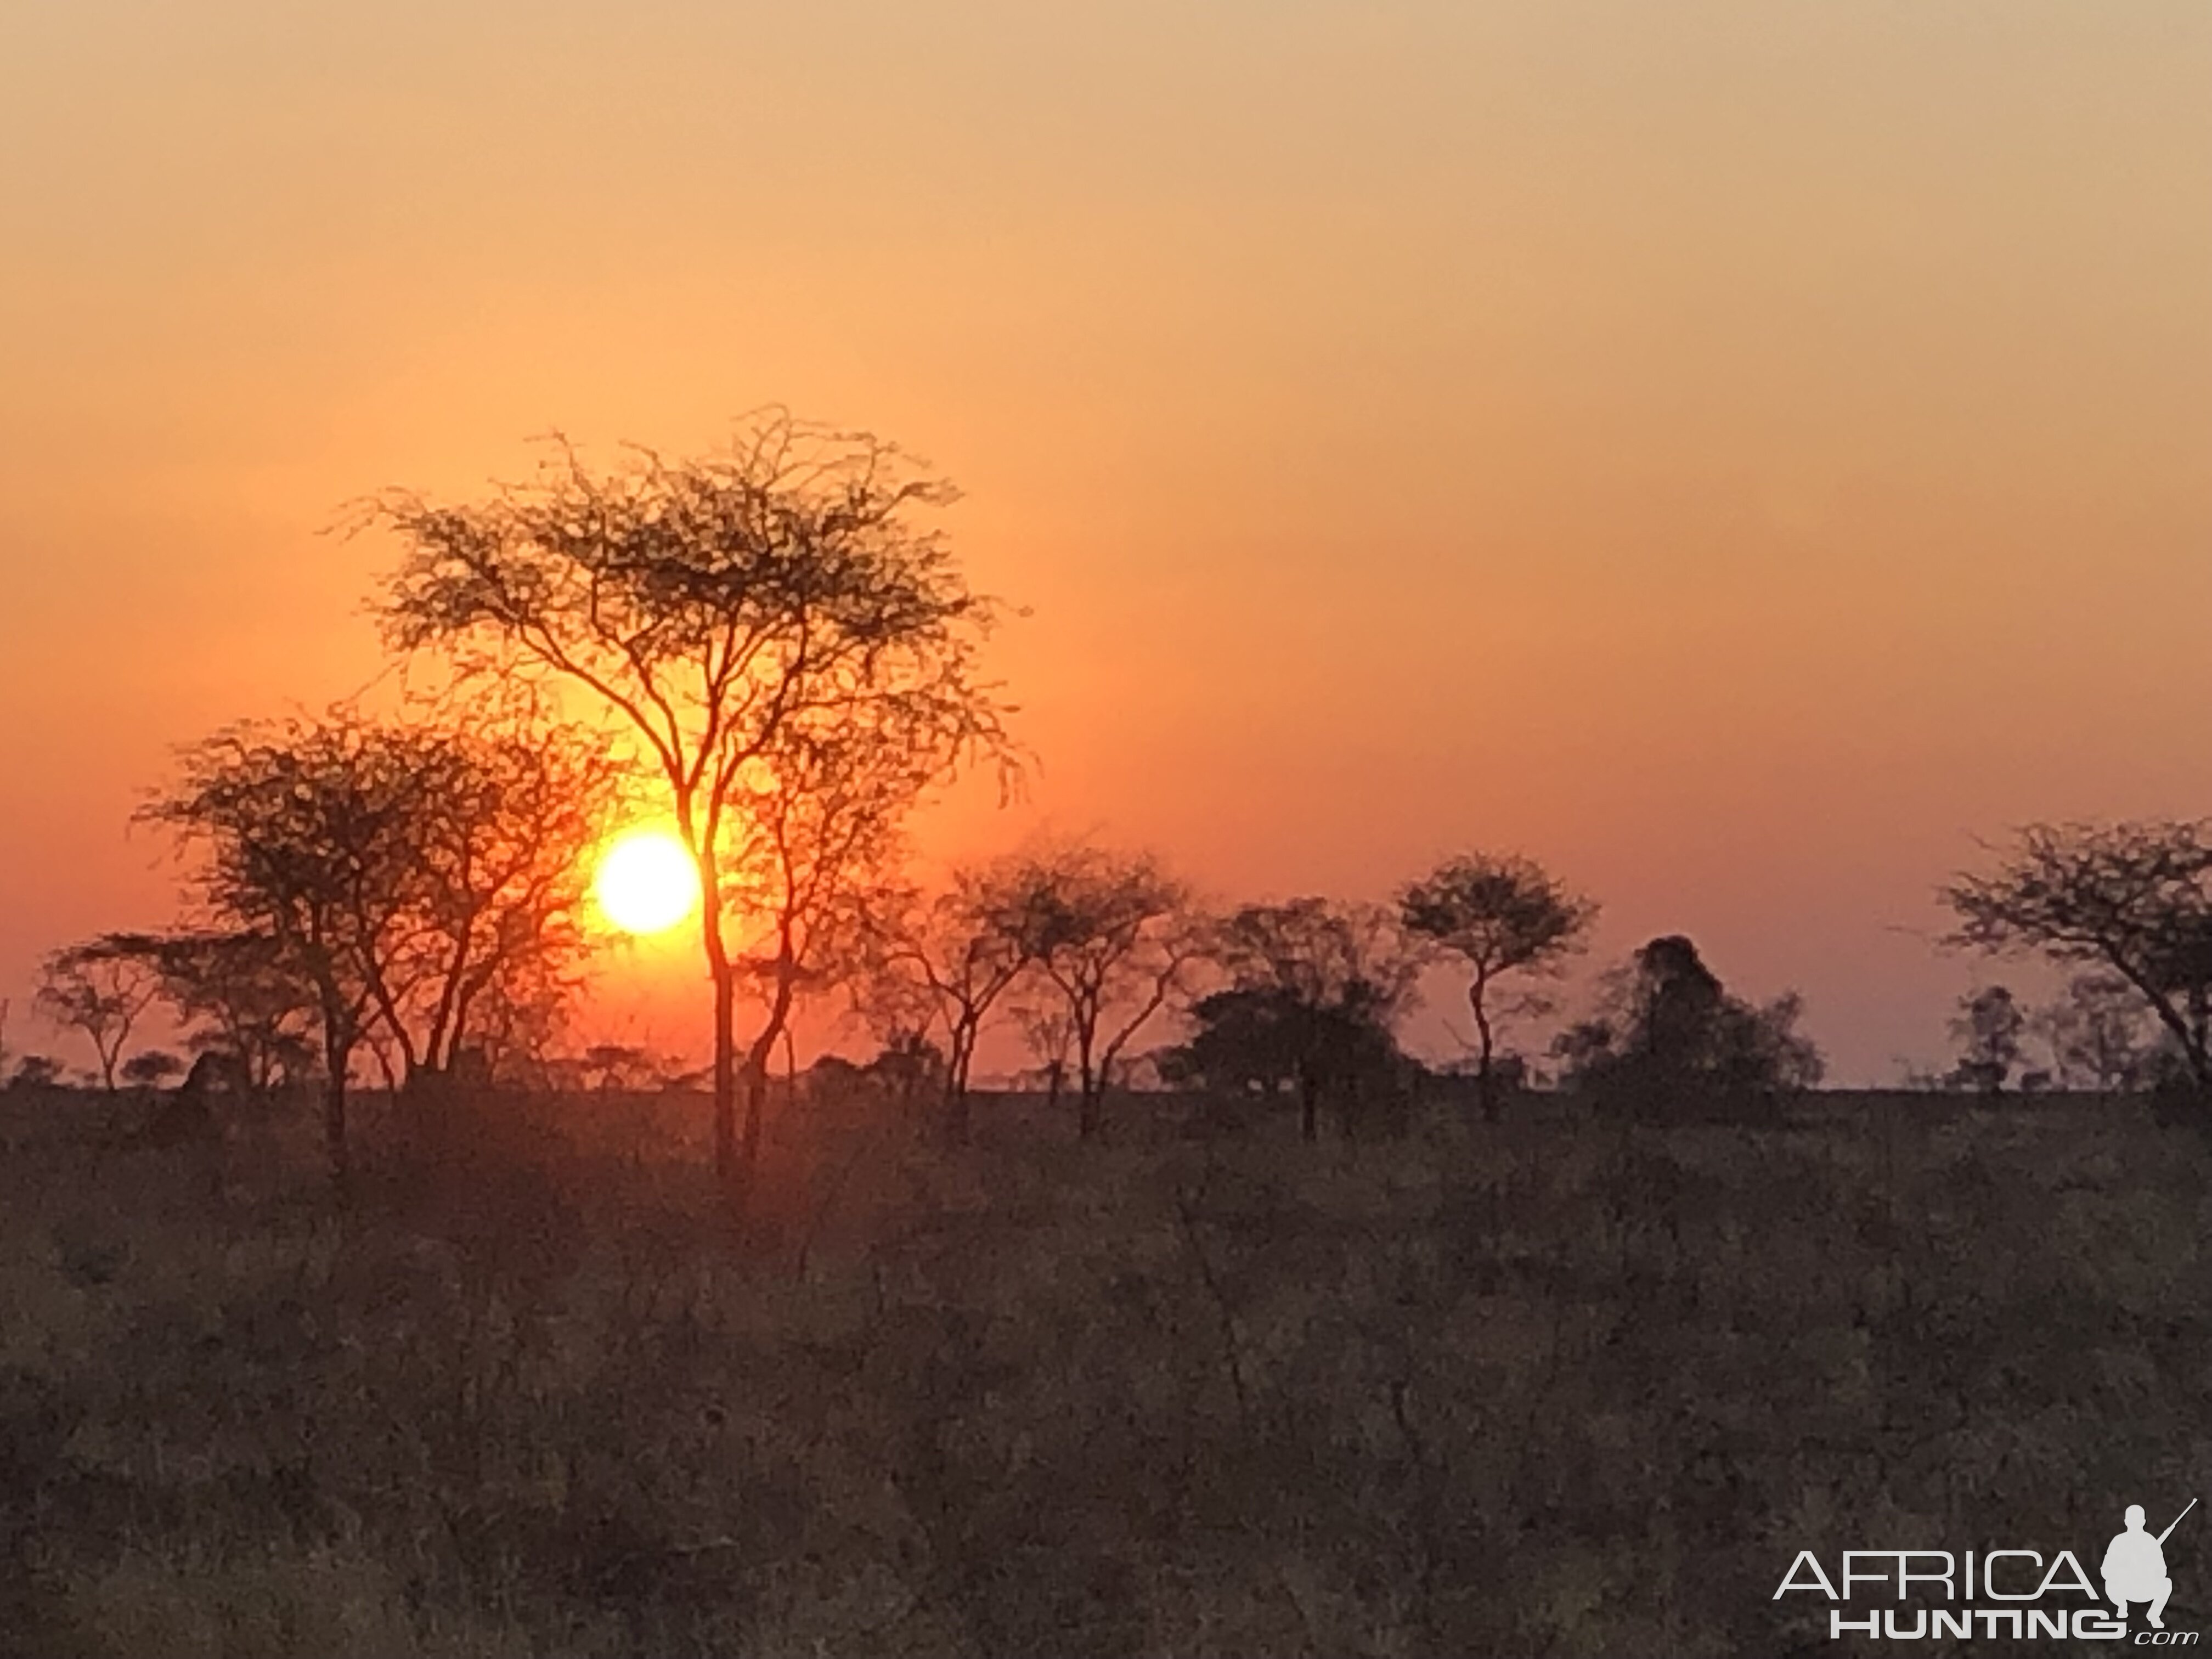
(1669, 1042)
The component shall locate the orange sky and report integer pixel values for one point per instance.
(1736, 452)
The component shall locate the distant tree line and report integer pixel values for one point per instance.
(771, 647)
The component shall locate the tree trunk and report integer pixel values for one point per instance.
(338, 1056)
(1486, 1091)
(725, 1065)
(962, 1049)
(2195, 1052)
(755, 1104)
(1089, 1083)
(340, 1032)
(2200, 1053)
(700, 838)
(763, 1050)
(1090, 1111)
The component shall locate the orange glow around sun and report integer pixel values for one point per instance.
(647, 882)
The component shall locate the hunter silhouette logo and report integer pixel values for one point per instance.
(2023, 1595)
(2134, 1565)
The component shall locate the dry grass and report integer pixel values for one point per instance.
(1547, 1388)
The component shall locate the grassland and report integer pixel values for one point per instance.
(1555, 1386)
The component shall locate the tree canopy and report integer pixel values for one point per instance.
(1314, 992)
(418, 882)
(2133, 897)
(100, 991)
(1113, 936)
(1500, 916)
(766, 611)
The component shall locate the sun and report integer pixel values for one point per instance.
(647, 882)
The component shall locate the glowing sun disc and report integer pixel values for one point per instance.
(647, 882)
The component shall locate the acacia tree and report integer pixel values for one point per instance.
(954, 955)
(100, 991)
(2136, 898)
(492, 928)
(818, 823)
(304, 834)
(1314, 990)
(398, 872)
(236, 993)
(1501, 916)
(713, 605)
(1112, 935)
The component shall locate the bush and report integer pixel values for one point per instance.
(1670, 1043)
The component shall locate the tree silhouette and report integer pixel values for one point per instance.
(956, 955)
(400, 872)
(909, 1067)
(1314, 990)
(1039, 1012)
(1670, 1042)
(236, 995)
(1988, 1029)
(619, 1067)
(2095, 1033)
(151, 1068)
(99, 991)
(507, 813)
(1501, 916)
(2134, 897)
(715, 604)
(35, 1072)
(303, 836)
(1112, 936)
(817, 837)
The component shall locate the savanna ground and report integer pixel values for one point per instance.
(1550, 1386)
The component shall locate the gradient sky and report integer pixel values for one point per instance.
(1737, 451)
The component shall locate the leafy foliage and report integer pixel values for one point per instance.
(151, 1068)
